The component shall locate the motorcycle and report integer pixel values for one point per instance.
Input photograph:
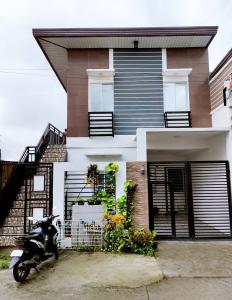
(34, 248)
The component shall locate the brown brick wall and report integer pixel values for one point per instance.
(140, 197)
(197, 59)
(79, 61)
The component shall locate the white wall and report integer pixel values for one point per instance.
(97, 149)
(221, 117)
(216, 149)
(153, 155)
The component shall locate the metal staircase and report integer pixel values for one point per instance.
(32, 156)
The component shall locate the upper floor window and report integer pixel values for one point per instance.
(101, 97)
(101, 92)
(176, 97)
(176, 89)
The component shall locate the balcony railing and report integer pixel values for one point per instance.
(101, 124)
(177, 119)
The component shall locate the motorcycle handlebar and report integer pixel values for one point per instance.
(53, 217)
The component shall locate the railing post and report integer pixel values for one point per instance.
(190, 199)
(229, 193)
(112, 116)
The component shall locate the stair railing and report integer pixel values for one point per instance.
(51, 136)
(31, 154)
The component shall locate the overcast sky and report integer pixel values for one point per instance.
(30, 94)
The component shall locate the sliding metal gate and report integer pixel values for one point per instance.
(190, 199)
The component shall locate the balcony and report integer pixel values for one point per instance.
(101, 124)
(177, 119)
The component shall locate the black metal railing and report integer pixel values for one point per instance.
(51, 136)
(101, 124)
(31, 155)
(177, 119)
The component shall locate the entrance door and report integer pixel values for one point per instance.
(168, 199)
(190, 199)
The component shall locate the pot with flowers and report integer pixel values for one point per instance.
(93, 175)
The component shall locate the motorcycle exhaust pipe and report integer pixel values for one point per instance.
(30, 263)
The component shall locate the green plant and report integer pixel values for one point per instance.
(92, 174)
(4, 261)
(82, 247)
(119, 234)
(91, 201)
(143, 242)
(112, 169)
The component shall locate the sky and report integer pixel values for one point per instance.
(31, 95)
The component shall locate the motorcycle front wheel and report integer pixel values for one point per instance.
(56, 252)
(20, 271)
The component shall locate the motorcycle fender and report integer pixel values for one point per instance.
(17, 253)
(14, 261)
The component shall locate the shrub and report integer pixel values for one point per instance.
(119, 235)
(4, 261)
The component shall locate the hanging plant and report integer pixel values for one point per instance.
(93, 175)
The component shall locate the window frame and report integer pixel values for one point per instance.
(100, 76)
(38, 190)
(90, 104)
(175, 83)
(176, 76)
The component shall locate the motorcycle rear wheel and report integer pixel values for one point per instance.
(20, 272)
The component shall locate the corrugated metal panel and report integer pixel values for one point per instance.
(138, 90)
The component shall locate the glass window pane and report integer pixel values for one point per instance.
(169, 97)
(181, 97)
(95, 96)
(38, 183)
(107, 95)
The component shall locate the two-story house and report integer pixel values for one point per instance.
(140, 97)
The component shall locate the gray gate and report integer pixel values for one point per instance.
(190, 199)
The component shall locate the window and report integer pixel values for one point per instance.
(37, 214)
(101, 97)
(101, 91)
(175, 97)
(38, 183)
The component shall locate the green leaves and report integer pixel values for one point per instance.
(112, 168)
(120, 236)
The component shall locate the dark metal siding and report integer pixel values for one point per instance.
(138, 90)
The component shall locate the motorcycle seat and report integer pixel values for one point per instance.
(28, 236)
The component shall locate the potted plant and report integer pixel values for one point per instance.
(93, 175)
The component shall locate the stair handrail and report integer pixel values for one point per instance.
(51, 136)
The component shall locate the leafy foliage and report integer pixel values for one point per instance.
(92, 174)
(112, 169)
(119, 234)
(4, 261)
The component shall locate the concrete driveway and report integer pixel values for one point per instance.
(193, 271)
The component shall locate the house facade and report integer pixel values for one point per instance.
(141, 97)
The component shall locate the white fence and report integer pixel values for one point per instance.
(85, 229)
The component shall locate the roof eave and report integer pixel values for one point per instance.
(225, 59)
(130, 32)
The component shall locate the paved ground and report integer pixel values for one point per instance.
(193, 271)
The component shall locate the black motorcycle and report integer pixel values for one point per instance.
(34, 248)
